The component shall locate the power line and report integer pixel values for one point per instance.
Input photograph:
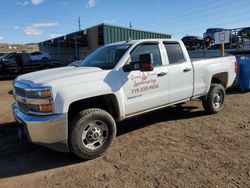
(229, 15)
(210, 26)
(194, 16)
(182, 13)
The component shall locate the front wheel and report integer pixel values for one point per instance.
(214, 100)
(91, 133)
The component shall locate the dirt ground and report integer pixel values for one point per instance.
(174, 147)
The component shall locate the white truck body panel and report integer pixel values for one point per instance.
(76, 83)
(205, 69)
(135, 92)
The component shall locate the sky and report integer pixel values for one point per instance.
(30, 21)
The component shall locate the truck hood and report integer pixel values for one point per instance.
(54, 77)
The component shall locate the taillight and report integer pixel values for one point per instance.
(236, 67)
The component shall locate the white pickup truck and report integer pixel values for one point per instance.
(75, 108)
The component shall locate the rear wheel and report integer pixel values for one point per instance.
(91, 133)
(214, 101)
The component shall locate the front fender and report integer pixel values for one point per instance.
(67, 95)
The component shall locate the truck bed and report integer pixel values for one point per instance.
(204, 67)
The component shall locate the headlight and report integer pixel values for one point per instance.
(38, 101)
(46, 93)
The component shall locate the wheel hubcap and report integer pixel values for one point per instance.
(217, 100)
(95, 134)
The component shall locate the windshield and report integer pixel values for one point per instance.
(4, 56)
(105, 57)
(7, 56)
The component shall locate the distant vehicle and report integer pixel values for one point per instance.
(244, 33)
(14, 62)
(40, 55)
(192, 42)
(7, 57)
(21, 62)
(209, 35)
(76, 63)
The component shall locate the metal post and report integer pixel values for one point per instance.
(59, 49)
(222, 49)
(76, 54)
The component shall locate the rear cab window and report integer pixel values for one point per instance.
(174, 52)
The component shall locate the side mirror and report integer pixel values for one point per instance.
(146, 62)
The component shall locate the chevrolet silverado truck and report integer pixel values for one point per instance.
(75, 108)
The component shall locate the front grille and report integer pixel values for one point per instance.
(21, 92)
(28, 99)
(27, 94)
(23, 107)
(31, 94)
(26, 108)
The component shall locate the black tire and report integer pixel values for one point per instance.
(214, 100)
(84, 129)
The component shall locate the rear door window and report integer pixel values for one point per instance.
(174, 52)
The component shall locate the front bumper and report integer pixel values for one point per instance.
(50, 131)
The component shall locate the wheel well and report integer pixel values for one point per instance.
(106, 102)
(221, 78)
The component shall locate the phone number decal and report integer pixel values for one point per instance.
(144, 89)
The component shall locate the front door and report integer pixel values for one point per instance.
(146, 90)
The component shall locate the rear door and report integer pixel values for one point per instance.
(180, 72)
(146, 90)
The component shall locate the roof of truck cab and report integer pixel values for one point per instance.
(131, 42)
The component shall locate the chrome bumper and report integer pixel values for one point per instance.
(50, 131)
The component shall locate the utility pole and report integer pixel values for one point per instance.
(130, 26)
(79, 23)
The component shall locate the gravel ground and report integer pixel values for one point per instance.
(174, 147)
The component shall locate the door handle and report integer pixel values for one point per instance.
(162, 74)
(187, 70)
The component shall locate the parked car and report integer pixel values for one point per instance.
(208, 37)
(40, 55)
(8, 62)
(21, 62)
(244, 33)
(75, 109)
(3, 56)
(192, 42)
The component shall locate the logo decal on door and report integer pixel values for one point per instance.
(143, 82)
